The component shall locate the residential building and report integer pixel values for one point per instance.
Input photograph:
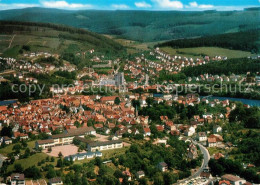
(140, 174)
(202, 136)
(17, 179)
(234, 180)
(162, 166)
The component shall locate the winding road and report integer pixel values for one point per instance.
(206, 158)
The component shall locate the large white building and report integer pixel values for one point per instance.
(106, 145)
(65, 138)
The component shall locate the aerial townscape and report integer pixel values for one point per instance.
(168, 94)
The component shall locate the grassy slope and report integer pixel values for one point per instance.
(209, 51)
(47, 39)
(148, 26)
(32, 160)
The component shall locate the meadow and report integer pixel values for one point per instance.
(199, 52)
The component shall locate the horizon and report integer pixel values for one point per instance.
(141, 10)
(148, 5)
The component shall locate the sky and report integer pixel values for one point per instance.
(182, 5)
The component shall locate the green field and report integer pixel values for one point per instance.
(8, 149)
(31, 161)
(52, 38)
(206, 51)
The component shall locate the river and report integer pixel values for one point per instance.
(244, 101)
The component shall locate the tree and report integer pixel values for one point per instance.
(6, 131)
(77, 124)
(158, 179)
(50, 173)
(98, 161)
(33, 172)
(17, 148)
(60, 155)
(117, 100)
(27, 153)
(18, 168)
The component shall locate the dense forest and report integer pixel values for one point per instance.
(148, 26)
(236, 66)
(247, 41)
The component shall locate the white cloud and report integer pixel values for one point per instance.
(193, 4)
(16, 6)
(64, 4)
(168, 4)
(196, 5)
(120, 6)
(144, 4)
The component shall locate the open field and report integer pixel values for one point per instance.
(209, 51)
(8, 149)
(42, 37)
(4, 42)
(31, 161)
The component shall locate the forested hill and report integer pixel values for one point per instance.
(247, 41)
(236, 66)
(144, 25)
(54, 38)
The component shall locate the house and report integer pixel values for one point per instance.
(202, 136)
(106, 145)
(193, 152)
(217, 129)
(190, 131)
(211, 142)
(7, 140)
(108, 100)
(218, 139)
(205, 175)
(17, 179)
(140, 174)
(147, 132)
(127, 174)
(224, 182)
(55, 181)
(218, 156)
(162, 166)
(234, 180)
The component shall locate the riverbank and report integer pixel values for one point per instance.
(244, 101)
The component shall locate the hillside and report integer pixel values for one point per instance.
(236, 66)
(53, 38)
(246, 41)
(148, 26)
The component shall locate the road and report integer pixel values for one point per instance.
(206, 158)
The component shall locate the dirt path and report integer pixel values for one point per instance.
(11, 41)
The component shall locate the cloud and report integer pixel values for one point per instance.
(144, 4)
(168, 4)
(16, 6)
(64, 4)
(196, 5)
(120, 6)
